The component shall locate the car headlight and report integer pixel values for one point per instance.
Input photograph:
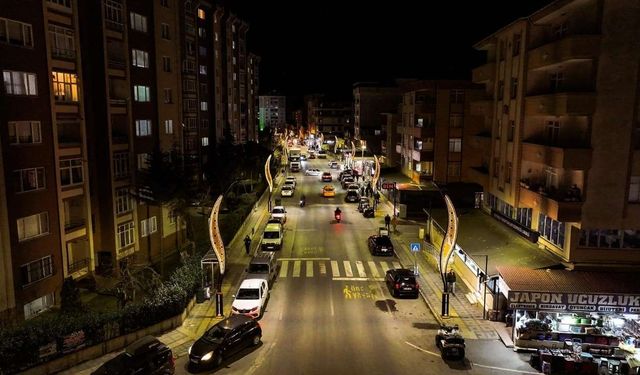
(207, 356)
(189, 350)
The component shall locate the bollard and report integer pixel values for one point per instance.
(219, 305)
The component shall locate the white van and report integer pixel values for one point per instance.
(272, 237)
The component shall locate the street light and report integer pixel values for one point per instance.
(486, 278)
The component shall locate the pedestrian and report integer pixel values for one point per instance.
(387, 221)
(394, 223)
(451, 281)
(247, 244)
(362, 191)
(376, 196)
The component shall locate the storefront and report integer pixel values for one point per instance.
(574, 318)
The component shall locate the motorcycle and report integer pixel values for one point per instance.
(338, 215)
(302, 202)
(450, 342)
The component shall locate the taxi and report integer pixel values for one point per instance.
(328, 191)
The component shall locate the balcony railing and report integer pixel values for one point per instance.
(73, 224)
(79, 265)
(114, 25)
(63, 53)
(561, 204)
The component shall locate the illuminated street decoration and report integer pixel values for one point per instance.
(376, 175)
(214, 235)
(267, 173)
(449, 240)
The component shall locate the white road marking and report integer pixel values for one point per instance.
(333, 313)
(335, 270)
(296, 268)
(473, 363)
(357, 279)
(360, 268)
(373, 268)
(284, 267)
(385, 266)
(347, 268)
(323, 268)
(397, 265)
(286, 259)
(309, 268)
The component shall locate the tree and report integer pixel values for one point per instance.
(70, 296)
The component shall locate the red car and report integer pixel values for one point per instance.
(326, 177)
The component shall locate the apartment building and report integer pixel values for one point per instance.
(45, 231)
(370, 100)
(436, 137)
(273, 111)
(253, 99)
(330, 117)
(392, 121)
(561, 125)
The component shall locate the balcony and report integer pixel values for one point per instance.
(79, 266)
(484, 73)
(571, 48)
(73, 224)
(574, 158)
(63, 53)
(114, 25)
(561, 104)
(558, 204)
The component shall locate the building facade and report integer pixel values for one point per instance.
(273, 111)
(437, 130)
(370, 100)
(561, 125)
(330, 117)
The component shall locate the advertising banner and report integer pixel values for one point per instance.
(575, 302)
(214, 235)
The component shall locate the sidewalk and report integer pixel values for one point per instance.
(203, 315)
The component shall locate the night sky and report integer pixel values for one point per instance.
(325, 46)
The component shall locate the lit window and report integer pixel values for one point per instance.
(38, 305)
(33, 226)
(15, 33)
(455, 144)
(143, 128)
(29, 179)
(138, 22)
(141, 93)
(143, 161)
(71, 172)
(201, 13)
(36, 270)
(204, 106)
(168, 126)
(140, 58)
(24, 132)
(205, 141)
(20, 83)
(123, 201)
(148, 226)
(203, 69)
(65, 87)
(126, 235)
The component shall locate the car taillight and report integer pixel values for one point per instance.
(172, 361)
(397, 285)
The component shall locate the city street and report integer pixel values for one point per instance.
(330, 312)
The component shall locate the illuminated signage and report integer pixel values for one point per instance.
(620, 303)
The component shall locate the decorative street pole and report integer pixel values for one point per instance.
(218, 248)
(267, 175)
(446, 250)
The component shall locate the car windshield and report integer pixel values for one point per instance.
(408, 280)
(352, 193)
(246, 293)
(384, 241)
(286, 187)
(278, 210)
(216, 334)
(328, 188)
(259, 268)
(271, 235)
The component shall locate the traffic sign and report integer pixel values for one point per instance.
(415, 247)
(389, 185)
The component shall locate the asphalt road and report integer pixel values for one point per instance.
(329, 311)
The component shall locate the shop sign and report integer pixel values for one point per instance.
(525, 232)
(618, 303)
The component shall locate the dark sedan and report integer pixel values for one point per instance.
(402, 282)
(380, 245)
(352, 196)
(223, 340)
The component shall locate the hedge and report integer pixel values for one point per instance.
(20, 345)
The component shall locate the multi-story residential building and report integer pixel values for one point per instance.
(273, 111)
(253, 102)
(392, 121)
(370, 100)
(45, 231)
(563, 155)
(437, 130)
(330, 117)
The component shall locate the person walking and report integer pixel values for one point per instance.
(394, 223)
(387, 221)
(451, 281)
(247, 244)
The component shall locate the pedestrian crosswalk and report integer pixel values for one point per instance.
(335, 269)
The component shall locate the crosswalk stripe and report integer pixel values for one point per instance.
(385, 266)
(309, 268)
(323, 268)
(347, 268)
(360, 268)
(397, 265)
(335, 271)
(296, 268)
(284, 267)
(373, 268)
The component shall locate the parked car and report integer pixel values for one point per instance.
(312, 172)
(347, 181)
(278, 212)
(333, 164)
(326, 177)
(272, 237)
(263, 265)
(345, 172)
(401, 281)
(328, 191)
(287, 191)
(291, 179)
(322, 154)
(223, 340)
(352, 196)
(380, 245)
(251, 298)
(369, 212)
(145, 356)
(290, 183)
(353, 187)
(312, 156)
